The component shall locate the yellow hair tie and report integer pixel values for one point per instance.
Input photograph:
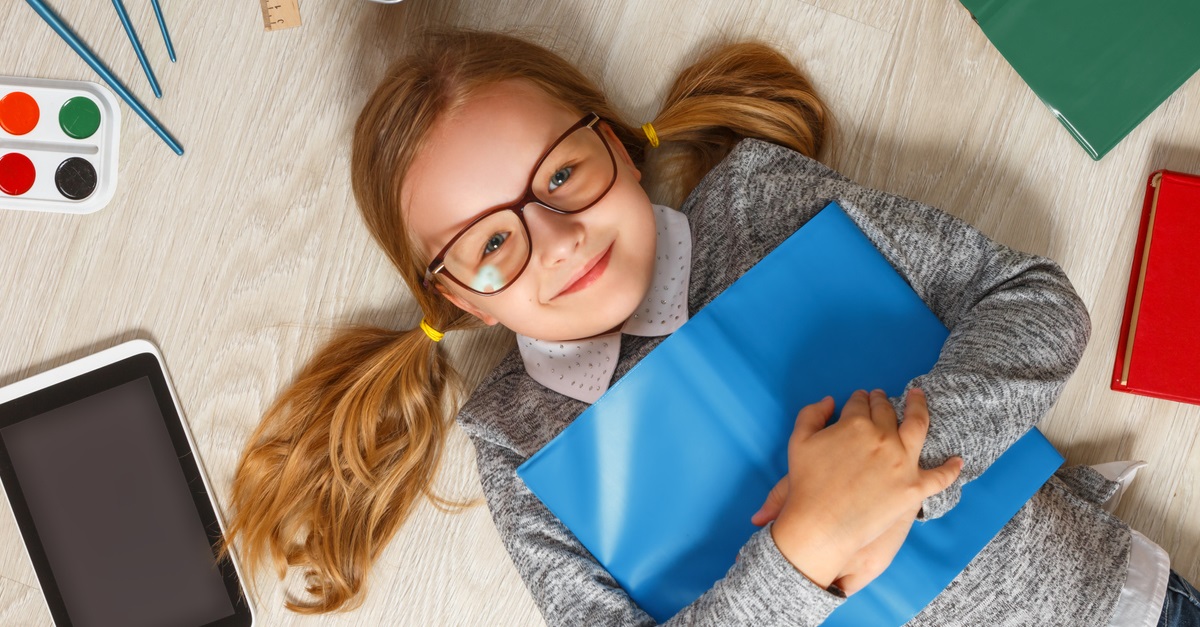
(648, 128)
(433, 333)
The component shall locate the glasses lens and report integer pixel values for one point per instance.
(490, 254)
(576, 173)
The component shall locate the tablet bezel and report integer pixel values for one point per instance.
(81, 379)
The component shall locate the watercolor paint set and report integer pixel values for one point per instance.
(59, 143)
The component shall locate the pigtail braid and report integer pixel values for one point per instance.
(340, 459)
(733, 92)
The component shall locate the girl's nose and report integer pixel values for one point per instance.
(555, 237)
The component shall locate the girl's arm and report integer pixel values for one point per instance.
(572, 588)
(1017, 330)
(1017, 327)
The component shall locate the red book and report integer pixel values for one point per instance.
(1158, 352)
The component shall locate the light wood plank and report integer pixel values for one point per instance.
(21, 605)
(881, 15)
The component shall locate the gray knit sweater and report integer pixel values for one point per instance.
(1017, 331)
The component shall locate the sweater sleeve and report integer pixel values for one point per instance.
(1017, 329)
(571, 588)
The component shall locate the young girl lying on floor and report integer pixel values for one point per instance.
(506, 190)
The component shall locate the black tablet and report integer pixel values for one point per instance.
(110, 499)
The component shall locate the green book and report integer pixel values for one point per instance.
(1100, 65)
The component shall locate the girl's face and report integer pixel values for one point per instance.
(587, 271)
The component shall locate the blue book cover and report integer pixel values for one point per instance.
(659, 478)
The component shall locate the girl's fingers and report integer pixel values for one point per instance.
(882, 412)
(859, 405)
(773, 505)
(913, 432)
(937, 479)
(916, 422)
(813, 418)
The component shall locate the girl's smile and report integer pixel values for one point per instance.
(587, 275)
(587, 271)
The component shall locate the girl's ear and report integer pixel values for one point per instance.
(619, 149)
(462, 304)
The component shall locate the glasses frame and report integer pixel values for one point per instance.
(438, 265)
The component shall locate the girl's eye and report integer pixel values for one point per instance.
(559, 177)
(494, 243)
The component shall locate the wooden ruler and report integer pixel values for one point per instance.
(280, 14)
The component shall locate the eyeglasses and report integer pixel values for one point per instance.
(572, 175)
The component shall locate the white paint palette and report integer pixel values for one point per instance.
(58, 145)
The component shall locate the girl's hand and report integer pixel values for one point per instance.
(873, 559)
(865, 565)
(849, 484)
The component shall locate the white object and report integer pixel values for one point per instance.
(1121, 472)
(47, 145)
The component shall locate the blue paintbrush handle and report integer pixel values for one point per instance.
(90, 57)
(162, 24)
(137, 46)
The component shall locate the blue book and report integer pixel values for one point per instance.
(658, 479)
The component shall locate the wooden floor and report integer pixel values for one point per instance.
(237, 258)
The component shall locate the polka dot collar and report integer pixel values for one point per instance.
(583, 369)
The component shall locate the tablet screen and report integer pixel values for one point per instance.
(113, 510)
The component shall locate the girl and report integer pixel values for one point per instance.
(505, 189)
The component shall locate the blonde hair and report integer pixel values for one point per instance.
(348, 448)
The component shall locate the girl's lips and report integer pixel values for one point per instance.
(598, 266)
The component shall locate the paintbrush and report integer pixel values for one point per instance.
(91, 59)
(137, 46)
(162, 25)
